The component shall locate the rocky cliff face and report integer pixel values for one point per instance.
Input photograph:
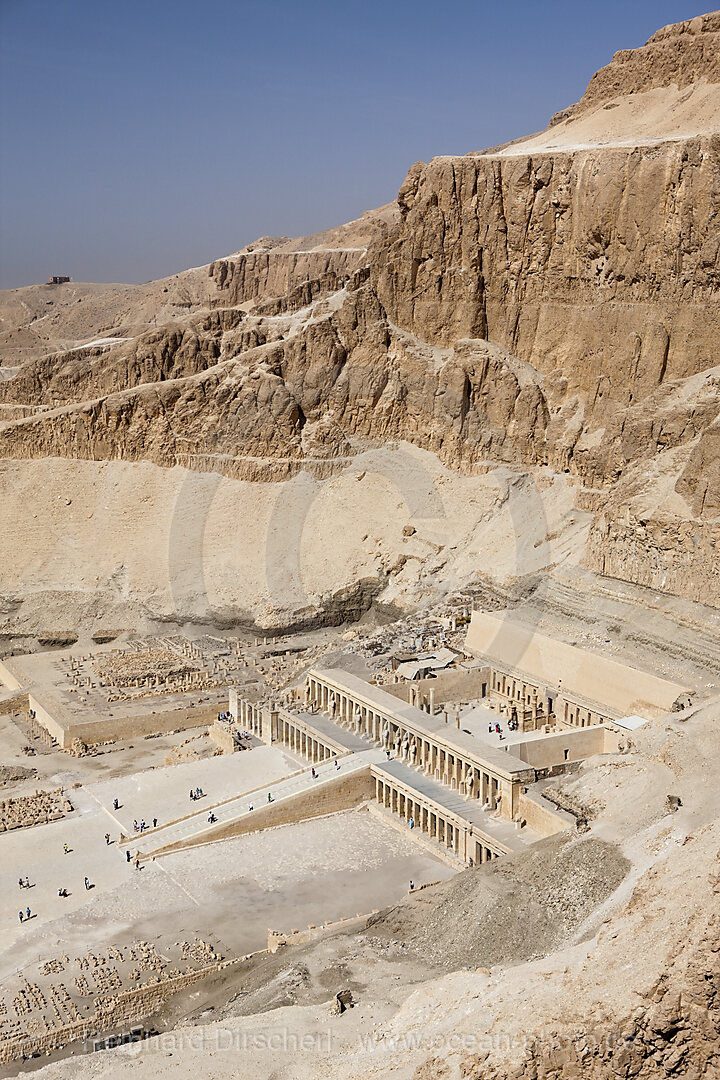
(555, 302)
(602, 266)
(676, 55)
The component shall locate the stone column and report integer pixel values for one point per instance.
(269, 724)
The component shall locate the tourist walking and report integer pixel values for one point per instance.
(66, 849)
(107, 838)
(154, 823)
(128, 856)
(87, 883)
(27, 913)
(412, 885)
(21, 916)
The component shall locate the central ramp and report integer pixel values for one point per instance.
(296, 798)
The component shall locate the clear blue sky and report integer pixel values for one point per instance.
(140, 137)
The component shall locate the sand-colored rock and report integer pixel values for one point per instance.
(554, 302)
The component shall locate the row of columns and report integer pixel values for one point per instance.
(417, 750)
(431, 821)
(302, 741)
(249, 716)
(483, 853)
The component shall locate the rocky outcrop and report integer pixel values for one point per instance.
(279, 406)
(673, 56)
(602, 265)
(674, 1033)
(552, 306)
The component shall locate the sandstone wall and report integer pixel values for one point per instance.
(112, 729)
(541, 816)
(448, 687)
(128, 727)
(602, 264)
(579, 744)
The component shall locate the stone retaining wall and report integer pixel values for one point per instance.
(342, 793)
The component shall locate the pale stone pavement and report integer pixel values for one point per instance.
(197, 827)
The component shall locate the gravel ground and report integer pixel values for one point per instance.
(527, 905)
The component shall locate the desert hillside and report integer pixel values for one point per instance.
(360, 623)
(549, 305)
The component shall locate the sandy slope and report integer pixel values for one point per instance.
(658, 115)
(114, 545)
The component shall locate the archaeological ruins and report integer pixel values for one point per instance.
(360, 590)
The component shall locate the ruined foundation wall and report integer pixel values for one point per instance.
(123, 727)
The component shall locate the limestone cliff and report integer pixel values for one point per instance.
(553, 302)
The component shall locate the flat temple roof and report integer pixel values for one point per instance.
(623, 690)
(497, 761)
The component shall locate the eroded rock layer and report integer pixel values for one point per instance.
(550, 304)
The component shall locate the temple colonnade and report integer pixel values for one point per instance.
(413, 742)
(452, 832)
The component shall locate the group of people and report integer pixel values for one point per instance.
(142, 825)
(24, 883)
(138, 826)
